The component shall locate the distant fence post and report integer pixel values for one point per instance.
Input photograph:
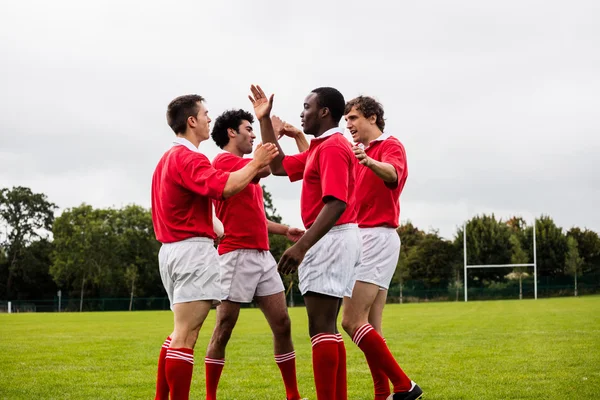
(9, 307)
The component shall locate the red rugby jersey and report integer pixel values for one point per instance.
(327, 168)
(183, 186)
(378, 202)
(243, 215)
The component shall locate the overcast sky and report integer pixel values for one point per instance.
(497, 103)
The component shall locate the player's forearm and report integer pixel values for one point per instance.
(263, 173)
(277, 229)
(301, 142)
(385, 171)
(326, 220)
(267, 134)
(239, 179)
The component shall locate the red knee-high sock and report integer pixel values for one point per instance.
(381, 384)
(325, 364)
(162, 387)
(377, 353)
(287, 366)
(214, 367)
(341, 391)
(179, 366)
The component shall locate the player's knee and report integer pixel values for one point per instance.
(283, 326)
(349, 325)
(223, 332)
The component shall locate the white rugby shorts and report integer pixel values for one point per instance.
(247, 273)
(189, 270)
(380, 252)
(328, 266)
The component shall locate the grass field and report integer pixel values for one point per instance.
(544, 349)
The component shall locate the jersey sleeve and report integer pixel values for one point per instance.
(199, 176)
(335, 166)
(294, 165)
(394, 154)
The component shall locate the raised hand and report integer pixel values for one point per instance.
(282, 128)
(262, 105)
(294, 234)
(362, 157)
(265, 153)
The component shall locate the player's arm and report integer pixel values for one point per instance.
(264, 172)
(262, 109)
(293, 234)
(330, 213)
(283, 128)
(239, 179)
(383, 170)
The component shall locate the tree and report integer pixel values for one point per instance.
(431, 261)
(552, 248)
(137, 251)
(573, 262)
(588, 244)
(85, 248)
(488, 242)
(25, 217)
(410, 236)
(278, 244)
(518, 257)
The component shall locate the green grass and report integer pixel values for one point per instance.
(544, 349)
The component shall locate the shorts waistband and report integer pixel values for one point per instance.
(378, 229)
(343, 227)
(193, 239)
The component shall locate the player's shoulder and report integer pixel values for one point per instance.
(223, 157)
(392, 142)
(183, 156)
(337, 141)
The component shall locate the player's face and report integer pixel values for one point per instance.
(245, 137)
(310, 115)
(202, 122)
(358, 125)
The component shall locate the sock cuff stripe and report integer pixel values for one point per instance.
(339, 338)
(285, 355)
(361, 333)
(323, 339)
(180, 359)
(284, 358)
(216, 361)
(182, 354)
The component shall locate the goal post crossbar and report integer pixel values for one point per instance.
(500, 265)
(534, 264)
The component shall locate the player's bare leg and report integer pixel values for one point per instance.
(376, 311)
(227, 316)
(179, 360)
(275, 311)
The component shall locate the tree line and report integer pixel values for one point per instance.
(89, 252)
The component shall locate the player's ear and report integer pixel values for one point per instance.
(324, 112)
(373, 119)
(231, 133)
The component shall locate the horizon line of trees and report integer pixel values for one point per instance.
(107, 252)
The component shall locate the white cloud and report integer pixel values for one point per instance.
(496, 103)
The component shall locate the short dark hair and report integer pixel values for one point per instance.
(368, 106)
(229, 119)
(332, 99)
(180, 109)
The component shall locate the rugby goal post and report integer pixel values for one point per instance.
(534, 264)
